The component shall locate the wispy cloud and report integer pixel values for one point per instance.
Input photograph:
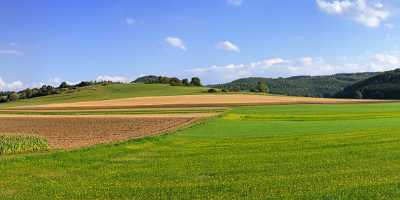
(176, 42)
(11, 52)
(113, 78)
(366, 12)
(234, 2)
(282, 67)
(227, 46)
(130, 21)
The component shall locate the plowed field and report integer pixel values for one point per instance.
(69, 132)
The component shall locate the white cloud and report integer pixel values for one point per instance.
(273, 61)
(386, 59)
(366, 12)
(112, 78)
(176, 42)
(130, 21)
(12, 86)
(281, 67)
(11, 52)
(234, 2)
(227, 46)
(335, 7)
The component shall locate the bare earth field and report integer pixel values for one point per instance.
(193, 101)
(69, 132)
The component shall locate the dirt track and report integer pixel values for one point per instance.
(193, 101)
(69, 132)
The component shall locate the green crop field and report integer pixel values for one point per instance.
(110, 91)
(264, 152)
(21, 144)
(117, 111)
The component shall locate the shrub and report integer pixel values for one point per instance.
(212, 90)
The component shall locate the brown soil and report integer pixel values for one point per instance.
(69, 132)
(194, 101)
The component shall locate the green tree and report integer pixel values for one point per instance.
(195, 81)
(13, 96)
(185, 81)
(64, 85)
(175, 82)
(28, 93)
(3, 99)
(262, 87)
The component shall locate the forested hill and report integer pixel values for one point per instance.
(385, 85)
(311, 86)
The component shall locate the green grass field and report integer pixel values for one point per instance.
(107, 92)
(264, 152)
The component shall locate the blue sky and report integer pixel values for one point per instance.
(46, 42)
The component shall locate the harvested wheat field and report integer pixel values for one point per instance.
(194, 101)
(69, 132)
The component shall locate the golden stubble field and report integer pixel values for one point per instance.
(194, 101)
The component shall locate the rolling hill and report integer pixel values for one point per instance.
(311, 86)
(108, 92)
(385, 85)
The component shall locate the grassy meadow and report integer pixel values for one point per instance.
(107, 92)
(262, 152)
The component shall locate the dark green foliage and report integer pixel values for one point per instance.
(148, 79)
(12, 96)
(312, 86)
(385, 85)
(63, 85)
(212, 90)
(262, 87)
(44, 90)
(3, 99)
(173, 81)
(195, 81)
(85, 84)
(185, 82)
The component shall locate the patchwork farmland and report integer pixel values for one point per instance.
(223, 146)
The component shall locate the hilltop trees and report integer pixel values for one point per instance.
(64, 85)
(195, 81)
(44, 90)
(173, 81)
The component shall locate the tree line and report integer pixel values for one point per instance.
(44, 90)
(173, 81)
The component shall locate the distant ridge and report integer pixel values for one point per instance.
(385, 85)
(308, 86)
